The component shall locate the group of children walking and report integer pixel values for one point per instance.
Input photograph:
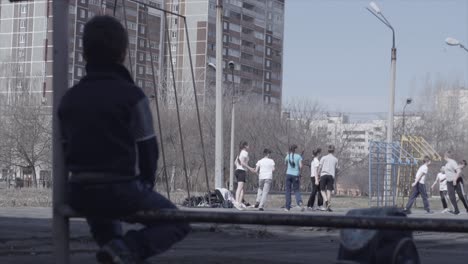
(450, 180)
(323, 172)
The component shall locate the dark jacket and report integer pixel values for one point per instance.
(107, 128)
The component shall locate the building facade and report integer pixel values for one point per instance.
(253, 32)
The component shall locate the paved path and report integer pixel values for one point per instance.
(25, 237)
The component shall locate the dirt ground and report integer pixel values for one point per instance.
(25, 237)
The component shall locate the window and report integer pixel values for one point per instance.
(175, 8)
(141, 56)
(268, 51)
(140, 83)
(20, 68)
(225, 38)
(176, 21)
(24, 9)
(226, 25)
(266, 99)
(268, 75)
(91, 14)
(268, 63)
(268, 39)
(267, 87)
(141, 43)
(174, 34)
(80, 57)
(142, 29)
(149, 70)
(22, 24)
(21, 39)
(81, 28)
(83, 1)
(79, 72)
(173, 48)
(235, 27)
(80, 43)
(225, 51)
(82, 13)
(140, 70)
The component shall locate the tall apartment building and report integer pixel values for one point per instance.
(252, 39)
(25, 50)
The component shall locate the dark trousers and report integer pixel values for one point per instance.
(442, 198)
(419, 189)
(315, 192)
(104, 206)
(451, 193)
(461, 194)
(292, 182)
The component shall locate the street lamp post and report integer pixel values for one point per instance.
(219, 157)
(408, 101)
(455, 42)
(375, 10)
(233, 123)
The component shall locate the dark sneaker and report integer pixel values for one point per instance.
(116, 252)
(329, 209)
(257, 205)
(455, 213)
(261, 209)
(429, 212)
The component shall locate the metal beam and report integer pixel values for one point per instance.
(228, 216)
(60, 85)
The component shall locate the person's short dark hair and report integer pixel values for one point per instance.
(105, 40)
(331, 149)
(266, 152)
(426, 159)
(462, 162)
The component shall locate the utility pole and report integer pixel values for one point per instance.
(219, 153)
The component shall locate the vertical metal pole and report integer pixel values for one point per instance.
(197, 107)
(219, 153)
(233, 123)
(391, 110)
(60, 227)
(156, 102)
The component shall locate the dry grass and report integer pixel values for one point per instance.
(25, 197)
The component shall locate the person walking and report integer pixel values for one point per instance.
(327, 172)
(264, 168)
(242, 164)
(111, 152)
(293, 173)
(419, 187)
(314, 167)
(460, 187)
(442, 180)
(451, 168)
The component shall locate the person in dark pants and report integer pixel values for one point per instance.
(460, 186)
(314, 167)
(293, 177)
(111, 151)
(419, 187)
(451, 168)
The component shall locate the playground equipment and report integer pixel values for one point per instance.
(417, 147)
(386, 158)
(404, 161)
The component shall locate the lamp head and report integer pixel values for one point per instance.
(452, 41)
(375, 7)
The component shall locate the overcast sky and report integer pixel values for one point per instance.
(337, 53)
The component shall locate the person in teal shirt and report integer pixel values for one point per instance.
(293, 172)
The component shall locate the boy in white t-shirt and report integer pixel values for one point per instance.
(419, 187)
(264, 168)
(442, 180)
